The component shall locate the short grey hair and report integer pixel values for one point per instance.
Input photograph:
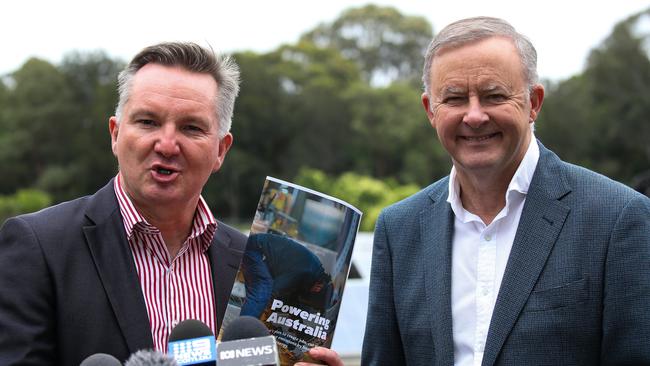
(471, 30)
(191, 57)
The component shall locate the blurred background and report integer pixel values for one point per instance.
(330, 97)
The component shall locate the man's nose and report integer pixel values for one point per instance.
(167, 141)
(475, 115)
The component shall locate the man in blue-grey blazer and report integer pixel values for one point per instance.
(515, 258)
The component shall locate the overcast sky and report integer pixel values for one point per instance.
(562, 31)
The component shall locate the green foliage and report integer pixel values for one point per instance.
(619, 75)
(368, 194)
(37, 108)
(93, 79)
(386, 44)
(565, 125)
(343, 101)
(599, 118)
(291, 112)
(23, 201)
(54, 120)
(393, 136)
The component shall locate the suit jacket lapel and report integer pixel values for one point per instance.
(109, 248)
(541, 220)
(436, 226)
(225, 263)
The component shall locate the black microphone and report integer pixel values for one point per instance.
(192, 343)
(150, 357)
(244, 327)
(246, 341)
(100, 359)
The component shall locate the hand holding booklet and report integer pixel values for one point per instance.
(294, 269)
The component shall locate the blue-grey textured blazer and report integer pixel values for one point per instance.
(69, 287)
(576, 289)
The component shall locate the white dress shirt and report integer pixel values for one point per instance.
(479, 257)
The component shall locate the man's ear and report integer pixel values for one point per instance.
(536, 101)
(113, 128)
(224, 145)
(426, 103)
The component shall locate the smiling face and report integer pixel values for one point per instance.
(481, 108)
(167, 143)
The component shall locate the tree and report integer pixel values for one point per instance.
(52, 123)
(394, 137)
(565, 124)
(619, 76)
(291, 113)
(386, 44)
(92, 77)
(598, 118)
(38, 108)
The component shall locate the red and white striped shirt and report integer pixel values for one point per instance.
(174, 289)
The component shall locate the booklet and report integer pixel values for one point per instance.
(294, 269)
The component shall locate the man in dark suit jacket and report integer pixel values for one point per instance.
(116, 271)
(71, 286)
(516, 258)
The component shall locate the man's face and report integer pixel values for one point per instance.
(480, 106)
(167, 143)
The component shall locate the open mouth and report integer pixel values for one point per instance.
(164, 171)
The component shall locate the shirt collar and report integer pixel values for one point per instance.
(203, 223)
(520, 182)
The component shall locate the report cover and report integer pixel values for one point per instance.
(294, 269)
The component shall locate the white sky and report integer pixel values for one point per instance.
(562, 31)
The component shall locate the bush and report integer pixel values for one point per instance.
(23, 201)
(366, 193)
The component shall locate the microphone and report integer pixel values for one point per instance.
(244, 327)
(100, 359)
(192, 343)
(246, 342)
(150, 358)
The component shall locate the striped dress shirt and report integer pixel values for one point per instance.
(174, 289)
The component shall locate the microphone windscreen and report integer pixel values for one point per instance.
(190, 328)
(192, 343)
(150, 358)
(244, 327)
(100, 359)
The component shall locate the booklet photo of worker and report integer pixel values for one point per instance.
(294, 269)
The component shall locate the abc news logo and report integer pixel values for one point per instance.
(245, 352)
(251, 351)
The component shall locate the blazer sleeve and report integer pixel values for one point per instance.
(626, 299)
(26, 305)
(382, 344)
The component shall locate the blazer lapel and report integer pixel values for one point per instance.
(225, 263)
(436, 227)
(541, 220)
(109, 248)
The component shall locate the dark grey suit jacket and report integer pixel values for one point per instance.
(576, 289)
(69, 287)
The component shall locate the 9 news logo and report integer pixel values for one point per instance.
(188, 352)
